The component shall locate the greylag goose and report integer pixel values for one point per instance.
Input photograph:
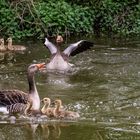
(63, 114)
(2, 46)
(12, 47)
(46, 110)
(9, 97)
(59, 60)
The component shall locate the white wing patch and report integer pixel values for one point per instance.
(50, 46)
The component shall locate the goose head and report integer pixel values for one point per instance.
(9, 40)
(59, 39)
(46, 101)
(58, 103)
(35, 67)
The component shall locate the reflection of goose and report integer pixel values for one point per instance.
(46, 110)
(62, 113)
(45, 131)
(12, 47)
(59, 60)
(56, 131)
(9, 97)
(2, 46)
(2, 56)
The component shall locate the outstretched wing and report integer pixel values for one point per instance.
(78, 47)
(8, 97)
(50, 46)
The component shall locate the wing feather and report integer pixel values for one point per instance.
(50, 46)
(77, 47)
(8, 97)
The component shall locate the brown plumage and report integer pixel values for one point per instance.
(46, 109)
(12, 47)
(9, 97)
(16, 108)
(62, 114)
(25, 109)
(3, 48)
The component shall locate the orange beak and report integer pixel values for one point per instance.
(41, 65)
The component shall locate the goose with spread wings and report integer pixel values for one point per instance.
(59, 60)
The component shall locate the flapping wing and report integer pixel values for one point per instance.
(8, 97)
(50, 46)
(78, 47)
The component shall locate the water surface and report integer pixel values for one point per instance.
(103, 88)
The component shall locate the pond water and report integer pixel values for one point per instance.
(104, 88)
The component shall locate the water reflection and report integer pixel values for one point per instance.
(67, 130)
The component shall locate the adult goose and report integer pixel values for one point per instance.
(10, 97)
(12, 47)
(59, 60)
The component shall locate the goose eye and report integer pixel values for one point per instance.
(33, 66)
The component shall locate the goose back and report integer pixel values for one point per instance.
(8, 97)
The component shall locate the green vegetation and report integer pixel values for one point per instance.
(25, 18)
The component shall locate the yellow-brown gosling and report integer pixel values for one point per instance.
(60, 60)
(63, 114)
(3, 48)
(12, 47)
(46, 109)
(9, 97)
(29, 111)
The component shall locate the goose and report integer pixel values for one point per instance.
(63, 114)
(2, 46)
(9, 97)
(59, 60)
(46, 110)
(12, 47)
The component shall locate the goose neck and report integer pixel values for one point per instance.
(57, 108)
(44, 108)
(28, 108)
(10, 44)
(31, 81)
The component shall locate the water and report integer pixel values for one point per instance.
(103, 88)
